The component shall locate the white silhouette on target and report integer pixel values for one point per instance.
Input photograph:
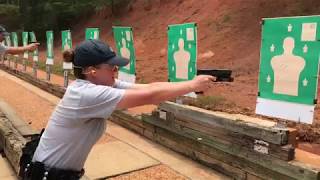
(125, 52)
(66, 44)
(287, 68)
(95, 35)
(50, 46)
(49, 49)
(182, 59)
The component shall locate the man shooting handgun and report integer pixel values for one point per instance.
(14, 50)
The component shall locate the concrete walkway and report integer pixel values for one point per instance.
(128, 151)
(6, 171)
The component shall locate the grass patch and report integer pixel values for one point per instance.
(55, 68)
(9, 10)
(217, 103)
(209, 102)
(226, 18)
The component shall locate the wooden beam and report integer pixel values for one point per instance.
(284, 152)
(252, 127)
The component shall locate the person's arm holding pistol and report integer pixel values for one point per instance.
(14, 50)
(161, 91)
(22, 49)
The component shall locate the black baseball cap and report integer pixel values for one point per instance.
(3, 31)
(94, 52)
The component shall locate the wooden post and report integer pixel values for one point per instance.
(66, 78)
(48, 70)
(34, 68)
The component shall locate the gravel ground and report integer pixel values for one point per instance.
(156, 173)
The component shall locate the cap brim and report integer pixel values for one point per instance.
(118, 61)
(5, 33)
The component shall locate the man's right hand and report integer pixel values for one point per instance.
(202, 83)
(32, 46)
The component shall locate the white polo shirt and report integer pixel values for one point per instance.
(77, 123)
(2, 49)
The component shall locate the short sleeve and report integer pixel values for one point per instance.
(122, 84)
(2, 49)
(99, 101)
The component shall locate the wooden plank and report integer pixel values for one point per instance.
(249, 144)
(134, 120)
(127, 117)
(220, 166)
(252, 177)
(133, 123)
(252, 127)
(291, 170)
(128, 125)
(285, 152)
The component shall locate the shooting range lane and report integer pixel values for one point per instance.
(116, 158)
(55, 79)
(130, 152)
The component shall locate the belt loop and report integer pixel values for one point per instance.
(45, 174)
(26, 170)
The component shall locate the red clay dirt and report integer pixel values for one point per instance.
(228, 37)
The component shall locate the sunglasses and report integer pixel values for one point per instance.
(108, 66)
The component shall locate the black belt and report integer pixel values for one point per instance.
(38, 171)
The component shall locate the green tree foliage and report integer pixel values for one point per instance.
(9, 16)
(11, 2)
(42, 15)
(56, 15)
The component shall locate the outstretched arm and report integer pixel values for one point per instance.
(21, 49)
(158, 92)
(142, 86)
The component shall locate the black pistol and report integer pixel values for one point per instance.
(222, 75)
